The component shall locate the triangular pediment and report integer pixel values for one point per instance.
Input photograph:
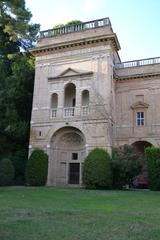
(70, 72)
(139, 105)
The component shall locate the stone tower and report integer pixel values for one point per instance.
(74, 96)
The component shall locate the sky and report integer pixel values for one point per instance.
(136, 22)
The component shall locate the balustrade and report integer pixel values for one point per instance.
(53, 112)
(69, 112)
(75, 28)
(138, 63)
(85, 110)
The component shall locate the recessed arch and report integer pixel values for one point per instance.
(54, 100)
(85, 97)
(68, 150)
(139, 147)
(70, 95)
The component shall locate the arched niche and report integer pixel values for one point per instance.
(85, 98)
(54, 100)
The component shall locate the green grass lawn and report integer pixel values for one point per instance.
(72, 214)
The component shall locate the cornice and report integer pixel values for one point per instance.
(72, 45)
(136, 76)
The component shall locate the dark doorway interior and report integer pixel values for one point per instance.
(140, 146)
(74, 173)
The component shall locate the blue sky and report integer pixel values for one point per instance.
(136, 22)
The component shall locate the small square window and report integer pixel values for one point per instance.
(74, 156)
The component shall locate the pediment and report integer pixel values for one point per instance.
(70, 72)
(139, 105)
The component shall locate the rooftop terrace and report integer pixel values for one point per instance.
(75, 28)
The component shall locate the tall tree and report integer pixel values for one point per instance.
(17, 34)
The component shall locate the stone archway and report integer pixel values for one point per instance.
(139, 147)
(67, 156)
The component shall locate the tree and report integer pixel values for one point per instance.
(15, 26)
(68, 24)
(97, 172)
(73, 22)
(17, 76)
(125, 165)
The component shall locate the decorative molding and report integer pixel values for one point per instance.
(69, 72)
(136, 76)
(71, 45)
(139, 104)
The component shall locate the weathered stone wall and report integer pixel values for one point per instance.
(128, 93)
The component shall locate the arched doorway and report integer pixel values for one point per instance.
(139, 147)
(68, 153)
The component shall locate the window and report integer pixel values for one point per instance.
(74, 156)
(140, 119)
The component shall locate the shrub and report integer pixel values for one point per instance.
(37, 168)
(6, 172)
(125, 166)
(97, 170)
(152, 155)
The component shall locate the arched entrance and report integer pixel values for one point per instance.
(140, 146)
(68, 153)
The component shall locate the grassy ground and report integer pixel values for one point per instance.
(76, 214)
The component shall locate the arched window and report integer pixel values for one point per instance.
(85, 98)
(69, 99)
(85, 102)
(54, 104)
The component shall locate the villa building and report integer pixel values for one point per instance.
(85, 97)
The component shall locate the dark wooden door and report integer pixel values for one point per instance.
(74, 169)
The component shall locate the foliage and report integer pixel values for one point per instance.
(60, 25)
(37, 168)
(68, 24)
(6, 172)
(19, 160)
(15, 26)
(97, 170)
(17, 76)
(152, 155)
(73, 22)
(125, 165)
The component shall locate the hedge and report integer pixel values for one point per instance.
(152, 156)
